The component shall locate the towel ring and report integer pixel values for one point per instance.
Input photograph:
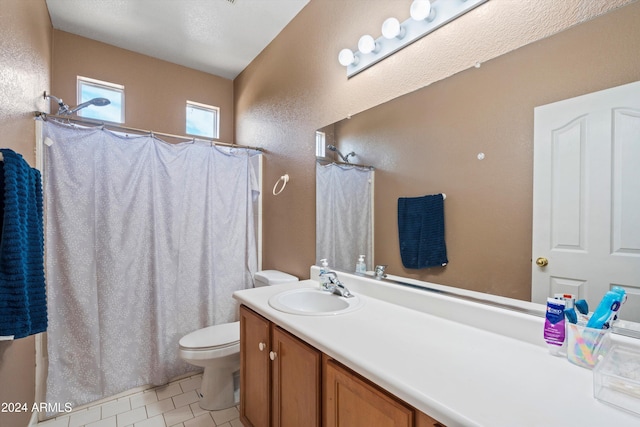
(284, 179)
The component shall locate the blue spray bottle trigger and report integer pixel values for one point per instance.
(582, 306)
(571, 315)
(607, 308)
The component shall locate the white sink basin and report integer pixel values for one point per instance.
(313, 302)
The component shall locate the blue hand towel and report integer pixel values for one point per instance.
(23, 303)
(421, 230)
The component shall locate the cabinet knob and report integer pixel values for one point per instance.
(272, 355)
(262, 346)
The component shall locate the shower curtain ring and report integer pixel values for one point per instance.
(284, 178)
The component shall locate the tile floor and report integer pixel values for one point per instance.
(172, 405)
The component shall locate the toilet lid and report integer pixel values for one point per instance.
(212, 336)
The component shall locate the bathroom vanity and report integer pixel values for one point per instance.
(287, 381)
(408, 357)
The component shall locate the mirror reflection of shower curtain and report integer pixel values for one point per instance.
(344, 215)
(145, 242)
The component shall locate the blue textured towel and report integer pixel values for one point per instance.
(23, 303)
(421, 230)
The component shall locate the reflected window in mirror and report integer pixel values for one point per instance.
(321, 139)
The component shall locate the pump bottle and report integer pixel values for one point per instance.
(361, 267)
(323, 270)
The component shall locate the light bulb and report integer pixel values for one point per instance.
(421, 10)
(346, 57)
(366, 44)
(391, 29)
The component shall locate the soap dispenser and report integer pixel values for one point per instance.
(361, 267)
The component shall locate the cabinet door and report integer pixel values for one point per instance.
(254, 369)
(296, 381)
(352, 401)
(424, 420)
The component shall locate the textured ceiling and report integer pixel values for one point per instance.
(220, 37)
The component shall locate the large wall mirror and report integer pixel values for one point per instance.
(471, 136)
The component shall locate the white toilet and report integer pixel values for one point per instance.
(217, 349)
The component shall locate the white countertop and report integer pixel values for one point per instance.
(461, 375)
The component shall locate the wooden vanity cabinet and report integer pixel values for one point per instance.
(279, 376)
(350, 400)
(296, 381)
(284, 382)
(424, 420)
(255, 369)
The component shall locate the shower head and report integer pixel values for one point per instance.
(64, 110)
(98, 102)
(344, 158)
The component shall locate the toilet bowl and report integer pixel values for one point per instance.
(217, 350)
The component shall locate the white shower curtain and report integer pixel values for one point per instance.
(145, 242)
(344, 215)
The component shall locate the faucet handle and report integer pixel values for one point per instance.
(380, 271)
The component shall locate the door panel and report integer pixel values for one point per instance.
(626, 171)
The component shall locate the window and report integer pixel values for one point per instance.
(90, 88)
(320, 144)
(203, 120)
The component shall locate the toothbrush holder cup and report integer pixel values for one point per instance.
(586, 345)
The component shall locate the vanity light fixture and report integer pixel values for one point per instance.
(367, 45)
(426, 17)
(391, 29)
(421, 10)
(347, 57)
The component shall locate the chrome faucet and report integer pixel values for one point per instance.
(380, 271)
(335, 286)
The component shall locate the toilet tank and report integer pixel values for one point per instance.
(272, 277)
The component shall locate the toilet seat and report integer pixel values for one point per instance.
(216, 340)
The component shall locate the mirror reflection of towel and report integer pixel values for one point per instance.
(421, 231)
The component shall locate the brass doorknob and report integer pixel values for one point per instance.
(542, 262)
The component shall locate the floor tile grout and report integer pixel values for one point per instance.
(152, 407)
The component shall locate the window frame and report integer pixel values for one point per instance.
(203, 107)
(113, 87)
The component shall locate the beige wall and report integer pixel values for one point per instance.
(25, 61)
(297, 86)
(156, 91)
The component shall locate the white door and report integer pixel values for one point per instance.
(586, 197)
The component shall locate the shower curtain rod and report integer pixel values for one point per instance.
(329, 161)
(45, 116)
